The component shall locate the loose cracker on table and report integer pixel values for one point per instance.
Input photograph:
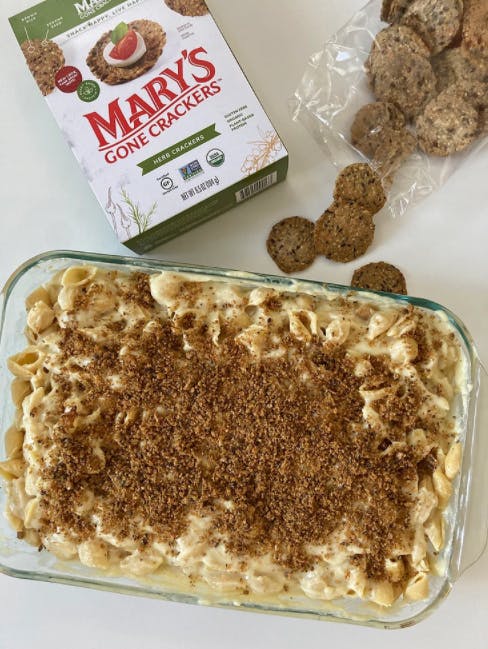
(391, 40)
(188, 7)
(344, 232)
(44, 59)
(291, 244)
(406, 80)
(360, 183)
(155, 39)
(449, 124)
(437, 22)
(380, 276)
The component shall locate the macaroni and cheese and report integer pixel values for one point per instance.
(258, 441)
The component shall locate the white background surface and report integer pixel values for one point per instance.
(441, 245)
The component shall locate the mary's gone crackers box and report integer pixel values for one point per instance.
(156, 109)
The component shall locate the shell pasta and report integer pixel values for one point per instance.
(261, 442)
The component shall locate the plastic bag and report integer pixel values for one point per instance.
(333, 89)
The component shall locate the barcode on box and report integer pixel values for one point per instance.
(259, 186)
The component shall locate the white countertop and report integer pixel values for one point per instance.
(441, 245)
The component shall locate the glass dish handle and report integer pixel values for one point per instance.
(475, 529)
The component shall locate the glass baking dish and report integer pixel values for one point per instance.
(467, 526)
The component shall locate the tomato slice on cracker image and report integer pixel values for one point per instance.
(127, 52)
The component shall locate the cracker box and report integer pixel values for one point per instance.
(156, 109)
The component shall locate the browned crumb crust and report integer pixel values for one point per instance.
(449, 124)
(188, 7)
(406, 80)
(155, 39)
(344, 232)
(380, 276)
(291, 244)
(359, 183)
(44, 59)
(436, 21)
(192, 429)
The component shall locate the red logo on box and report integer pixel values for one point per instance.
(68, 79)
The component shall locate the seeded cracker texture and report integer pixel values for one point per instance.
(344, 232)
(396, 10)
(188, 7)
(385, 10)
(449, 124)
(380, 276)
(370, 122)
(436, 21)
(291, 244)
(44, 59)
(361, 184)
(457, 65)
(405, 79)
(392, 151)
(379, 132)
(473, 92)
(475, 26)
(155, 39)
(392, 40)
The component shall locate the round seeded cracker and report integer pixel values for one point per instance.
(391, 153)
(385, 10)
(359, 183)
(44, 59)
(371, 119)
(188, 7)
(379, 132)
(155, 39)
(449, 124)
(344, 232)
(406, 80)
(392, 40)
(380, 276)
(457, 64)
(397, 9)
(291, 244)
(436, 21)
(475, 26)
(473, 92)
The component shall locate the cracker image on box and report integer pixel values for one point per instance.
(117, 59)
(157, 110)
(188, 7)
(44, 59)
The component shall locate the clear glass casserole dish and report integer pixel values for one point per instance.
(467, 519)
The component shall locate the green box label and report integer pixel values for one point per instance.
(178, 149)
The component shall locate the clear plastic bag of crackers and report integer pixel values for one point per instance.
(404, 86)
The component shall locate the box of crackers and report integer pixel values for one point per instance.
(160, 116)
